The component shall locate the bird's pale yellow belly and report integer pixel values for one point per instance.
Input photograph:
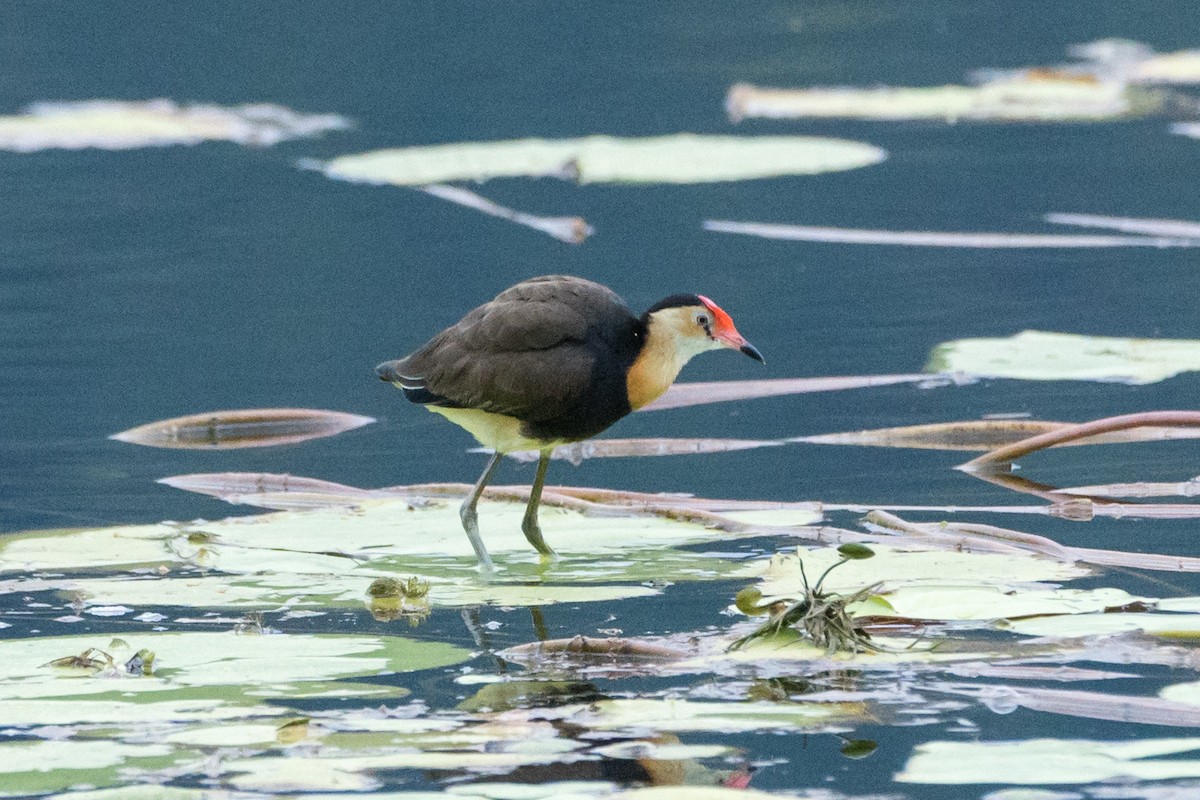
(497, 431)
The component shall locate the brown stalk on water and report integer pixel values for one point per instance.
(1002, 457)
(989, 538)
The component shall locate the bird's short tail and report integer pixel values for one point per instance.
(414, 388)
(390, 372)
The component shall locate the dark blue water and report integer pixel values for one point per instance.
(147, 284)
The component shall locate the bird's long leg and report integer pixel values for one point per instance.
(470, 518)
(529, 526)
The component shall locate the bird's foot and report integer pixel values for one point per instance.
(533, 533)
(470, 523)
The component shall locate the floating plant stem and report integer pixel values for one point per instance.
(254, 427)
(572, 230)
(1002, 457)
(983, 240)
(1182, 229)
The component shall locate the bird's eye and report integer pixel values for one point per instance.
(702, 320)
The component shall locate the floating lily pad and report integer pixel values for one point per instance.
(253, 665)
(330, 556)
(36, 767)
(679, 158)
(1046, 356)
(900, 570)
(1049, 761)
(1167, 625)
(124, 125)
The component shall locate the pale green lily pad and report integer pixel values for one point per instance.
(49, 709)
(237, 735)
(150, 791)
(954, 601)
(329, 556)
(915, 579)
(1045, 356)
(1049, 761)
(124, 125)
(124, 546)
(1172, 626)
(197, 661)
(679, 158)
(294, 590)
(704, 793)
(309, 773)
(36, 767)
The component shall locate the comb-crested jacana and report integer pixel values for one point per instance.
(554, 360)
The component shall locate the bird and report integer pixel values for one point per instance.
(549, 361)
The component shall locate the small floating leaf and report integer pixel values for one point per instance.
(1048, 356)
(255, 427)
(855, 551)
(679, 158)
(818, 233)
(124, 125)
(859, 748)
(292, 731)
(747, 601)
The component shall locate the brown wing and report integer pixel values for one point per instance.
(530, 353)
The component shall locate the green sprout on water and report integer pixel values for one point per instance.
(821, 617)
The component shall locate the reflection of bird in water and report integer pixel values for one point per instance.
(553, 360)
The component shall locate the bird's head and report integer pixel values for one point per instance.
(696, 324)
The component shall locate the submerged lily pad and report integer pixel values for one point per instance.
(1046, 356)
(124, 125)
(679, 158)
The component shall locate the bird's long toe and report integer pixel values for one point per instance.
(533, 533)
(470, 523)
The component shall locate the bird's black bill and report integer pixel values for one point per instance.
(752, 351)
